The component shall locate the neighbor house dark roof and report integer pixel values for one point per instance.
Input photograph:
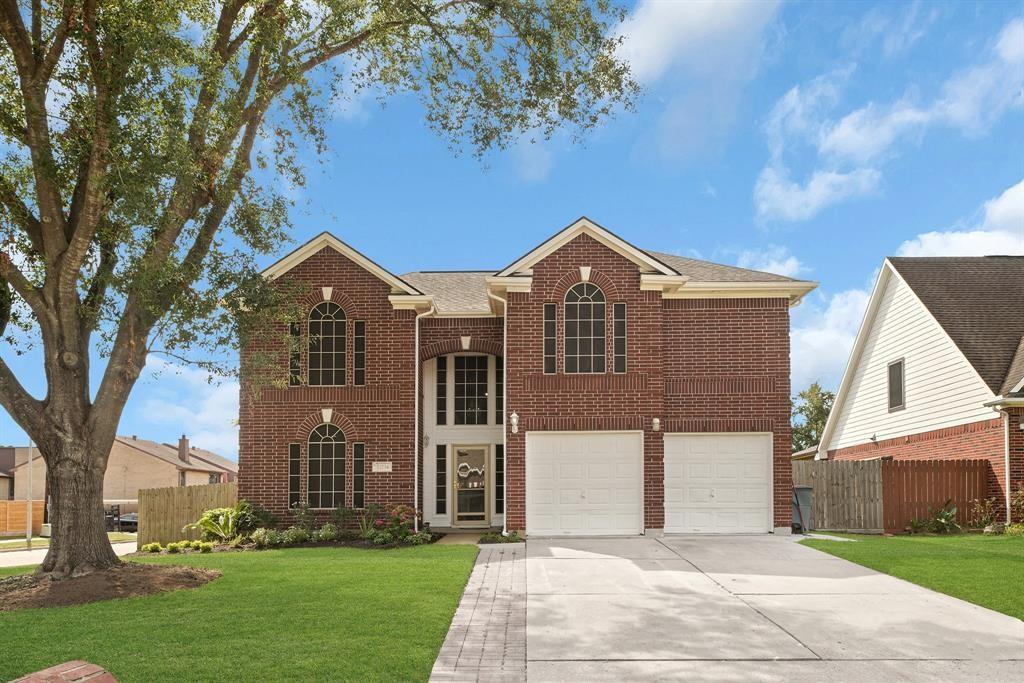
(979, 302)
(465, 292)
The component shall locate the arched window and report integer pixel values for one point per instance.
(327, 345)
(326, 485)
(584, 329)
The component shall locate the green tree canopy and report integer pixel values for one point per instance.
(810, 412)
(129, 133)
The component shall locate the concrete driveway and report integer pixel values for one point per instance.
(738, 608)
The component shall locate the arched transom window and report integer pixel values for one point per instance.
(584, 329)
(327, 345)
(326, 484)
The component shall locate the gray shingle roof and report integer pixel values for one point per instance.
(465, 292)
(454, 291)
(1016, 371)
(979, 301)
(706, 271)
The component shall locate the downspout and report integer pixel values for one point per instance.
(504, 403)
(416, 422)
(1006, 455)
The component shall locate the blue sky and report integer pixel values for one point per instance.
(810, 139)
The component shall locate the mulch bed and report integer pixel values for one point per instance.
(125, 580)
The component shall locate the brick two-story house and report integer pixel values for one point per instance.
(590, 387)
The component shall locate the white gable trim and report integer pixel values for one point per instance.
(326, 239)
(646, 262)
(885, 276)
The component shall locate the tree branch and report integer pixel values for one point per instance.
(19, 404)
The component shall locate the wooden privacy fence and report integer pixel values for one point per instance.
(885, 495)
(164, 512)
(847, 494)
(911, 487)
(13, 513)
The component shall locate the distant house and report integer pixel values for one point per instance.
(6, 472)
(136, 464)
(937, 370)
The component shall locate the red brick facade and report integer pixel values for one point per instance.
(378, 414)
(982, 440)
(699, 365)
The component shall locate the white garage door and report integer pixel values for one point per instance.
(718, 483)
(584, 483)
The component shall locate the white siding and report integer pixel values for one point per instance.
(942, 389)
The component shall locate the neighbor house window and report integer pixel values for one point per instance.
(326, 480)
(327, 345)
(294, 474)
(442, 390)
(619, 332)
(214, 479)
(897, 394)
(499, 390)
(294, 354)
(181, 478)
(358, 472)
(470, 390)
(550, 364)
(441, 479)
(584, 329)
(499, 479)
(359, 352)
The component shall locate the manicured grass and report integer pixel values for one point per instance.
(295, 614)
(985, 570)
(40, 542)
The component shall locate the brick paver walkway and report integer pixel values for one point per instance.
(487, 638)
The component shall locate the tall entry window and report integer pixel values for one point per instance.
(470, 390)
(327, 332)
(326, 483)
(584, 329)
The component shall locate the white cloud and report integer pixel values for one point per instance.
(891, 33)
(849, 149)
(778, 197)
(703, 53)
(824, 330)
(773, 259)
(1001, 231)
(825, 326)
(184, 396)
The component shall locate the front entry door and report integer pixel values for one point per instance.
(470, 481)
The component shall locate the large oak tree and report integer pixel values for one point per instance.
(134, 135)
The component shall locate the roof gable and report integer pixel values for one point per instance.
(979, 302)
(584, 226)
(326, 239)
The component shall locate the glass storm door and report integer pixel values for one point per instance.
(470, 484)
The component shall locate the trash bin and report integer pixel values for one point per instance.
(802, 509)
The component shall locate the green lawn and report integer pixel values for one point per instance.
(301, 614)
(985, 570)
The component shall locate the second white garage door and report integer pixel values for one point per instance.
(718, 483)
(584, 484)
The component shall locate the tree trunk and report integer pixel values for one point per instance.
(79, 542)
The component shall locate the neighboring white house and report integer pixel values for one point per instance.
(937, 370)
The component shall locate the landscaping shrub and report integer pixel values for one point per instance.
(1015, 529)
(421, 538)
(368, 520)
(196, 545)
(496, 537)
(382, 538)
(328, 532)
(295, 534)
(983, 513)
(218, 524)
(397, 521)
(343, 517)
(266, 538)
(151, 548)
(943, 520)
(1017, 504)
(173, 548)
(305, 518)
(205, 547)
(252, 517)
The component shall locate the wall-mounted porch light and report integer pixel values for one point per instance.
(513, 421)
(655, 425)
